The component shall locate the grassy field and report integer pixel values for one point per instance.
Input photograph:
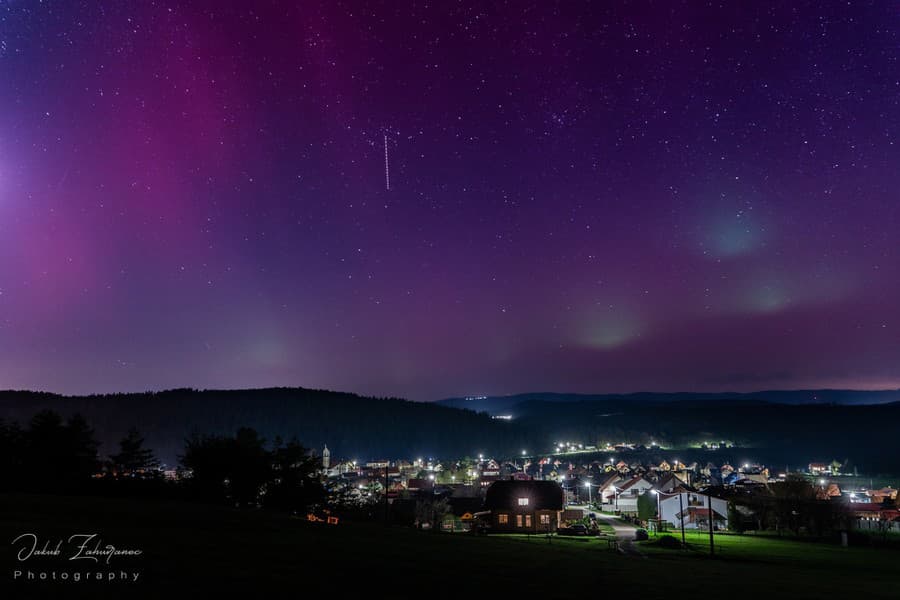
(606, 528)
(859, 562)
(217, 550)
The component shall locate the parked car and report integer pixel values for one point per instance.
(577, 529)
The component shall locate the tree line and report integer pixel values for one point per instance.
(53, 454)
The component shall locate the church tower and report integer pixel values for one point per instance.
(326, 458)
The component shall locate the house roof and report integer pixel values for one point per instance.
(675, 492)
(631, 482)
(541, 494)
(665, 480)
(609, 480)
(697, 511)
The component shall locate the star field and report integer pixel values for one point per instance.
(584, 197)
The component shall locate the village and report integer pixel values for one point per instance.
(574, 492)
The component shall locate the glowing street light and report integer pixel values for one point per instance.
(681, 513)
(658, 510)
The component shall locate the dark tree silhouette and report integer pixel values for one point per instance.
(12, 454)
(233, 468)
(294, 483)
(791, 497)
(646, 505)
(46, 455)
(735, 518)
(81, 448)
(133, 458)
(58, 455)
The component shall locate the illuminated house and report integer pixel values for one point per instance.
(524, 506)
(819, 469)
(692, 509)
(625, 497)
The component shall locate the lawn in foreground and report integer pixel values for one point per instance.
(855, 562)
(218, 550)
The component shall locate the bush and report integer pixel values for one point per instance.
(669, 542)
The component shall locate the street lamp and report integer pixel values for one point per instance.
(587, 484)
(658, 511)
(680, 508)
(617, 490)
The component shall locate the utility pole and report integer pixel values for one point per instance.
(681, 519)
(709, 502)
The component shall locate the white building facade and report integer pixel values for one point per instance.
(693, 510)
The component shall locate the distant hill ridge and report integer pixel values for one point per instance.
(497, 405)
(353, 426)
(779, 426)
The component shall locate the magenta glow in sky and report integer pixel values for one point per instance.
(605, 198)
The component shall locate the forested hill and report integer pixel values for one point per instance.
(358, 427)
(511, 404)
(780, 434)
(353, 426)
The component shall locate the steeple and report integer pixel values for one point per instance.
(326, 457)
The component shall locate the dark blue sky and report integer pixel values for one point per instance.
(584, 197)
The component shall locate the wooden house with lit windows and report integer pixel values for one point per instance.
(524, 506)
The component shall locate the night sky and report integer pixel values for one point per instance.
(607, 198)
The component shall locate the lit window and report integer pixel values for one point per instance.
(523, 501)
(527, 520)
(545, 519)
(518, 520)
(503, 519)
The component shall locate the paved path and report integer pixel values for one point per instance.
(624, 534)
